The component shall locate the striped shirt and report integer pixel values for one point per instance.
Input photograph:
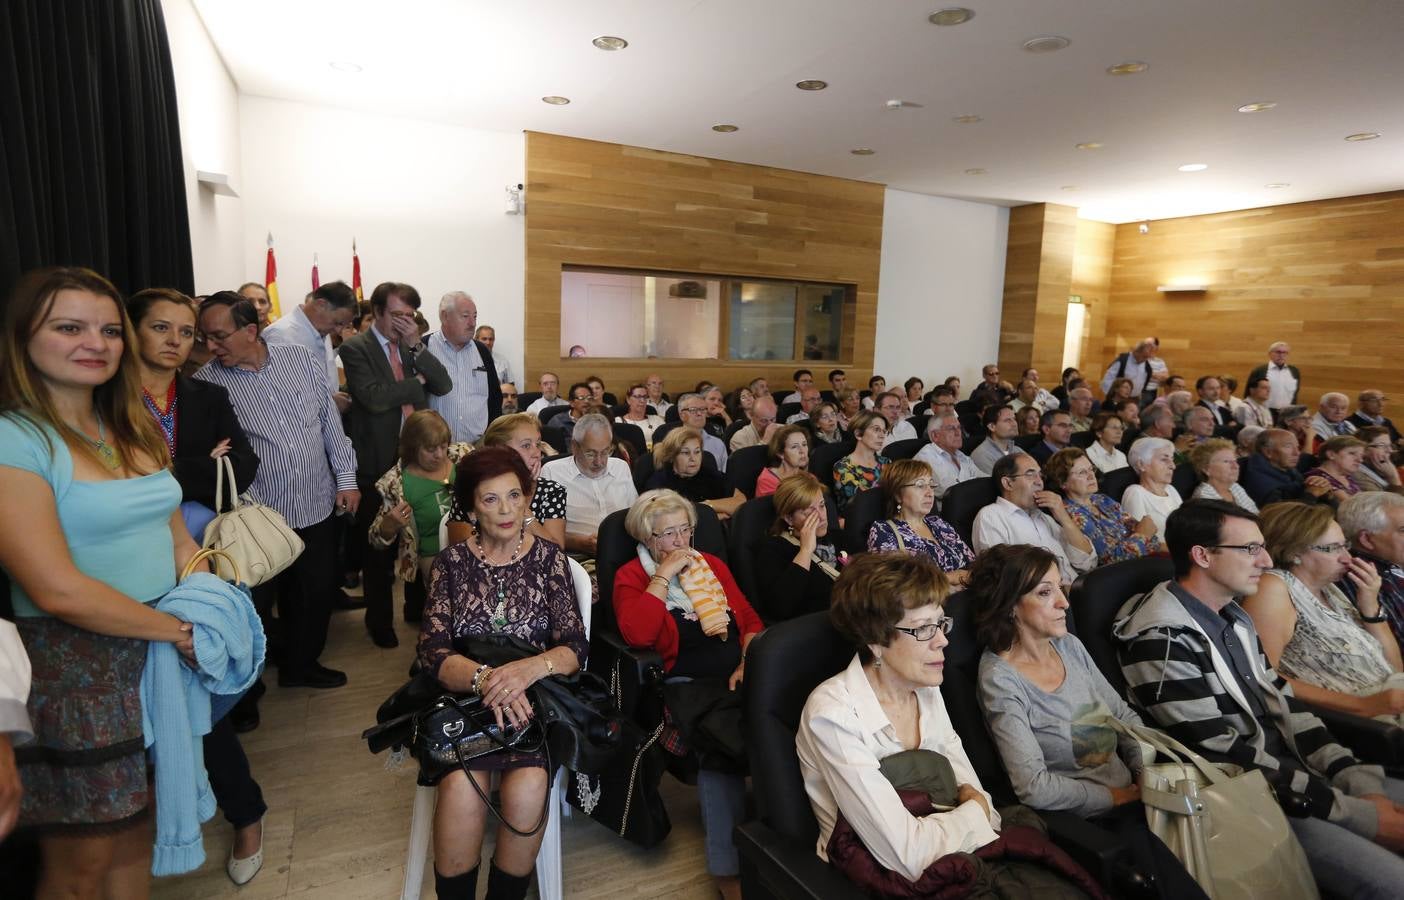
(465, 408)
(292, 423)
(295, 328)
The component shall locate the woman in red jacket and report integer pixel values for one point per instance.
(685, 605)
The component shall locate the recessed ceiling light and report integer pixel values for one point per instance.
(1089, 145)
(976, 171)
(1046, 43)
(811, 84)
(725, 129)
(1069, 187)
(1362, 136)
(1128, 68)
(345, 66)
(1276, 185)
(555, 101)
(609, 42)
(1256, 107)
(1194, 167)
(862, 151)
(955, 15)
(966, 119)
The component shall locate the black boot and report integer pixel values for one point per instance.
(456, 887)
(502, 886)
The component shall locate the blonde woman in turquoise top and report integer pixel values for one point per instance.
(90, 534)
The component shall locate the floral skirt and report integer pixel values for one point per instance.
(86, 770)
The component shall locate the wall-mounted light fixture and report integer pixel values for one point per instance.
(215, 183)
(1183, 287)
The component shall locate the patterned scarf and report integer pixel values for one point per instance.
(695, 592)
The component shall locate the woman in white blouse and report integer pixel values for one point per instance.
(1105, 451)
(1154, 460)
(886, 701)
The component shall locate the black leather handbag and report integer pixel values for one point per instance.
(452, 730)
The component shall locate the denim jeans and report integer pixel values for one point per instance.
(1348, 864)
(723, 799)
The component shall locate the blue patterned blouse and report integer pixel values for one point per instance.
(1111, 531)
(948, 551)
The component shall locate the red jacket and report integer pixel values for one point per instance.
(644, 621)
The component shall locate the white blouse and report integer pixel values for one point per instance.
(1138, 502)
(1104, 461)
(843, 736)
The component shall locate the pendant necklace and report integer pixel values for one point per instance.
(498, 619)
(105, 451)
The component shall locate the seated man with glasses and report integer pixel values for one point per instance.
(949, 466)
(580, 399)
(596, 482)
(1195, 667)
(1024, 513)
(692, 413)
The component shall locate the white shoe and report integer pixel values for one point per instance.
(242, 871)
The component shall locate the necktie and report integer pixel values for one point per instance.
(392, 350)
(1342, 428)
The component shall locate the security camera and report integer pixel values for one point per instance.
(514, 200)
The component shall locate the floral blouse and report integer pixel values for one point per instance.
(850, 479)
(532, 598)
(1330, 648)
(949, 550)
(1111, 531)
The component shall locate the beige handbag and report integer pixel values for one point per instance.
(1221, 822)
(255, 536)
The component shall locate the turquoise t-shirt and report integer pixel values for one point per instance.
(118, 532)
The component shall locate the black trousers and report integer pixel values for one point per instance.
(303, 593)
(233, 784)
(377, 566)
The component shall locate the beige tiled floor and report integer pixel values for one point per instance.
(338, 823)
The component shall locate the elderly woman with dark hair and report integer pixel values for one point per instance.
(1339, 461)
(796, 564)
(825, 419)
(909, 493)
(1115, 535)
(504, 580)
(677, 461)
(1105, 452)
(787, 453)
(1043, 697)
(887, 701)
(685, 605)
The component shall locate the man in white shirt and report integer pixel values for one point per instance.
(761, 427)
(596, 483)
(1330, 419)
(803, 379)
(654, 384)
(15, 727)
(487, 336)
(550, 383)
(1025, 513)
(476, 397)
(1044, 400)
(889, 405)
(1283, 380)
(325, 311)
(809, 398)
(949, 466)
(1000, 430)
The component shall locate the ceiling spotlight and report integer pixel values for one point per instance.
(1128, 68)
(1362, 136)
(1089, 145)
(1194, 167)
(608, 42)
(811, 84)
(955, 15)
(862, 151)
(1256, 107)
(1276, 185)
(345, 66)
(975, 171)
(1046, 43)
(725, 129)
(966, 119)
(555, 101)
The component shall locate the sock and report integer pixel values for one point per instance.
(456, 887)
(502, 886)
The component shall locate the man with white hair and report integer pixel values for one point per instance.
(1373, 522)
(1080, 409)
(476, 397)
(1330, 419)
(1134, 365)
(596, 482)
(949, 466)
(1283, 380)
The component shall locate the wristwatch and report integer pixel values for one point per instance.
(417, 348)
(550, 666)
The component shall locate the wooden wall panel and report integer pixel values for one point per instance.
(1091, 280)
(1038, 269)
(1326, 276)
(610, 205)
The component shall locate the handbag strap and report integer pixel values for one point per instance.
(214, 555)
(1169, 747)
(223, 465)
(497, 813)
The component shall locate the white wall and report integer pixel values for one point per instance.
(424, 201)
(940, 289)
(208, 104)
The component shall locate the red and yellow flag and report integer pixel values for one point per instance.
(356, 272)
(270, 282)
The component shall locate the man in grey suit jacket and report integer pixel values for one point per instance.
(389, 374)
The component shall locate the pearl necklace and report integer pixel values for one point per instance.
(498, 620)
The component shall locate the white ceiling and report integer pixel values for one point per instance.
(1335, 67)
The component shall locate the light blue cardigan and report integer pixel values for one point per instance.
(176, 708)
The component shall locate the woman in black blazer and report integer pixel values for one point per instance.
(795, 564)
(200, 426)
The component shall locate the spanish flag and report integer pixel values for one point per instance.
(270, 281)
(356, 273)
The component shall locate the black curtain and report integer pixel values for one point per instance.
(90, 161)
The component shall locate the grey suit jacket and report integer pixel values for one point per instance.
(376, 398)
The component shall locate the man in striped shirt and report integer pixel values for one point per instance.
(307, 470)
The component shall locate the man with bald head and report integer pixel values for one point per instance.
(760, 428)
(1331, 418)
(1270, 474)
(1370, 411)
(476, 397)
(1283, 380)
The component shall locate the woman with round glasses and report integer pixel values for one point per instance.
(825, 419)
(637, 413)
(887, 701)
(909, 492)
(1339, 654)
(1043, 696)
(1114, 534)
(1377, 471)
(684, 604)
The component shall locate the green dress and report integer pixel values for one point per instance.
(430, 499)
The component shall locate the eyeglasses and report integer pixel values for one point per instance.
(580, 398)
(1031, 473)
(928, 631)
(1329, 548)
(692, 410)
(681, 532)
(1246, 549)
(638, 396)
(919, 485)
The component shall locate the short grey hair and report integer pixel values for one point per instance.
(450, 300)
(934, 420)
(1080, 393)
(1275, 344)
(1367, 511)
(1144, 448)
(1332, 395)
(1248, 436)
(638, 521)
(683, 398)
(1185, 418)
(1151, 415)
(589, 424)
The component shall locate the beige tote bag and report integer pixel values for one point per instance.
(255, 536)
